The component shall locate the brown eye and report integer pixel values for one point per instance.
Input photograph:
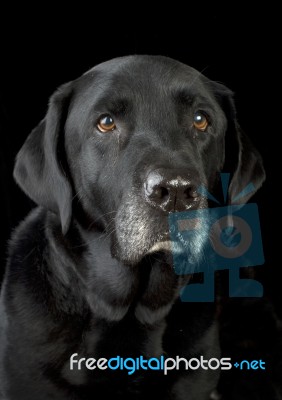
(200, 121)
(106, 124)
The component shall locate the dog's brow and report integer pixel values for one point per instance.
(183, 96)
(116, 106)
(187, 98)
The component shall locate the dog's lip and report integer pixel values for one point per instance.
(161, 245)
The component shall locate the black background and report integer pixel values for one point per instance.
(43, 48)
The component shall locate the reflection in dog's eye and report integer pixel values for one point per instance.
(200, 121)
(106, 124)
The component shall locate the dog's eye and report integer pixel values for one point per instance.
(106, 124)
(200, 121)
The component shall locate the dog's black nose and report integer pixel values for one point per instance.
(169, 191)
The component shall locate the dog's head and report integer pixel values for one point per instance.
(129, 142)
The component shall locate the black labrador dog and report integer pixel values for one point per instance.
(90, 275)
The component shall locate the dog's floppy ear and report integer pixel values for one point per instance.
(242, 159)
(39, 169)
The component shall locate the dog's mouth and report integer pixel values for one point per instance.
(161, 243)
(159, 250)
(139, 246)
(142, 232)
(158, 247)
(165, 245)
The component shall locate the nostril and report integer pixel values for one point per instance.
(162, 193)
(158, 193)
(190, 192)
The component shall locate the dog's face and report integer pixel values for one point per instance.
(131, 141)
